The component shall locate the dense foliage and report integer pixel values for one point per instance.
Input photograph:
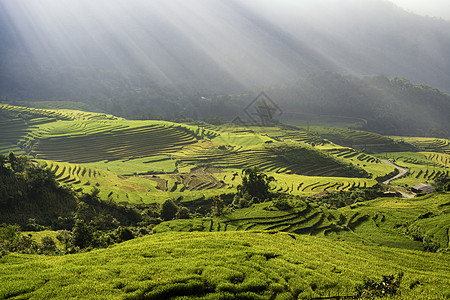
(31, 198)
(255, 184)
(27, 191)
(442, 184)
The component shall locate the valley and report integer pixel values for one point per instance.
(221, 150)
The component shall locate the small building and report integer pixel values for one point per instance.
(422, 189)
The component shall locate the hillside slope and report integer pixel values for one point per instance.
(250, 265)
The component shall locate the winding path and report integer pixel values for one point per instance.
(401, 174)
(401, 170)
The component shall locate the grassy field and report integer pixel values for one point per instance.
(225, 265)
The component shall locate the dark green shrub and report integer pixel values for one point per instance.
(47, 246)
(244, 202)
(218, 206)
(124, 234)
(282, 203)
(168, 210)
(183, 213)
(65, 237)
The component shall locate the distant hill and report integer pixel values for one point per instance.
(390, 106)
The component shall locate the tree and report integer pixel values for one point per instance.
(64, 236)
(255, 184)
(18, 164)
(218, 206)
(82, 234)
(168, 210)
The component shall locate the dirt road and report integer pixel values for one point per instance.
(401, 174)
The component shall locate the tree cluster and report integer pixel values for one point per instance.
(255, 184)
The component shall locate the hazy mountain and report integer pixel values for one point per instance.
(214, 45)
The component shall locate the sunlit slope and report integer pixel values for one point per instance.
(57, 114)
(418, 223)
(117, 144)
(19, 124)
(431, 144)
(225, 265)
(278, 158)
(302, 161)
(125, 181)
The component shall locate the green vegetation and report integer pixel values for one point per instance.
(255, 184)
(265, 213)
(226, 265)
(27, 191)
(418, 223)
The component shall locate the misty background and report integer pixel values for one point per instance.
(199, 59)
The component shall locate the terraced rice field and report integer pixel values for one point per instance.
(57, 114)
(306, 185)
(423, 166)
(442, 160)
(11, 132)
(349, 137)
(122, 144)
(118, 147)
(269, 158)
(299, 135)
(73, 173)
(431, 144)
(305, 219)
(381, 221)
(351, 153)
